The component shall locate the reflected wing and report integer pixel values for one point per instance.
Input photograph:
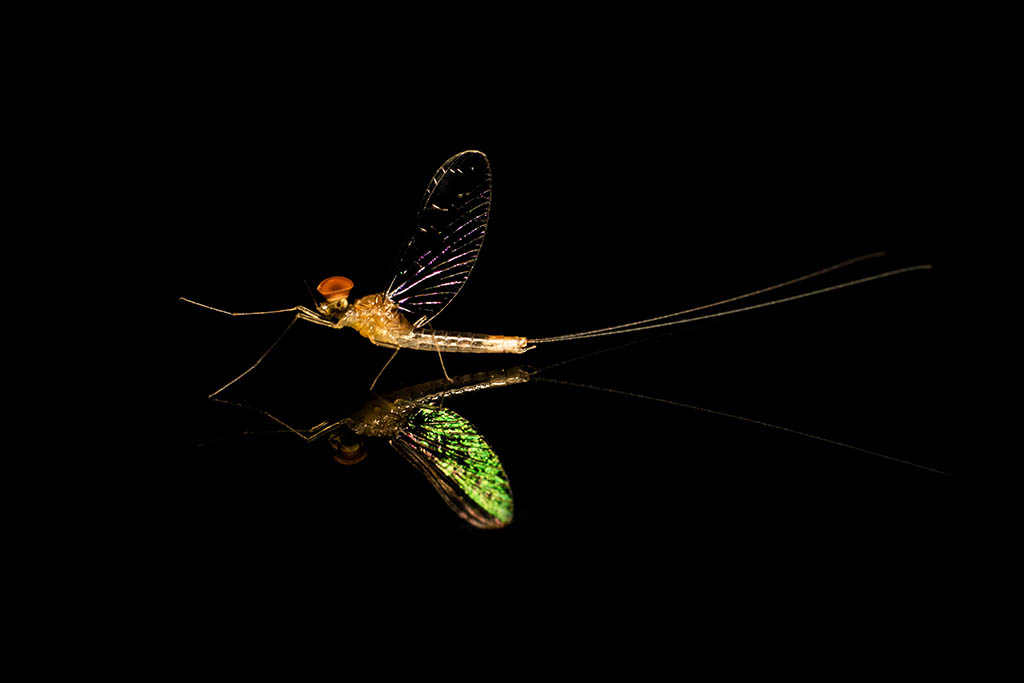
(450, 228)
(460, 464)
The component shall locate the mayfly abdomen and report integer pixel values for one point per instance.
(462, 342)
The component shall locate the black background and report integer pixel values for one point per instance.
(641, 165)
(609, 204)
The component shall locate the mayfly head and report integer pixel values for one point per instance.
(349, 447)
(335, 292)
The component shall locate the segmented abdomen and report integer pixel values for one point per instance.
(462, 342)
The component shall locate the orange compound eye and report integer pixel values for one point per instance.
(335, 288)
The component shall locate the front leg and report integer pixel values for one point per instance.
(221, 310)
(300, 312)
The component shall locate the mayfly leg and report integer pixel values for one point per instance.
(309, 434)
(258, 360)
(300, 312)
(437, 347)
(374, 382)
(443, 368)
(440, 357)
(423, 321)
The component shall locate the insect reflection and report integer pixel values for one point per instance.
(454, 455)
(444, 446)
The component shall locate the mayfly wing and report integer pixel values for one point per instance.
(436, 261)
(459, 462)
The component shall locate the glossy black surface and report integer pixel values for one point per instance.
(581, 236)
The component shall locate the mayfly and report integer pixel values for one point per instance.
(438, 259)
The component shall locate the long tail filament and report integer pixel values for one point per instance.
(664, 320)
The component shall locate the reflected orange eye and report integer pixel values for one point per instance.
(350, 458)
(335, 288)
(347, 452)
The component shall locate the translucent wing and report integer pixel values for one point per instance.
(450, 228)
(460, 464)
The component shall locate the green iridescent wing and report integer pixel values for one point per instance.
(460, 464)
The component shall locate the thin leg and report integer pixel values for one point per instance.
(300, 311)
(220, 310)
(441, 358)
(382, 370)
(309, 434)
(437, 347)
(260, 360)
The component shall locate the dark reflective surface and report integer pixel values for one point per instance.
(579, 237)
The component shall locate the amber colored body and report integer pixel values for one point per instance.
(378, 319)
